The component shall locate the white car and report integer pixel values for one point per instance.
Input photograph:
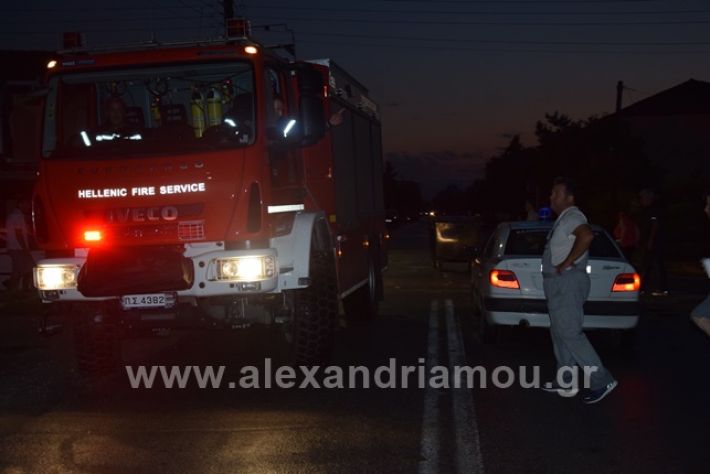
(507, 282)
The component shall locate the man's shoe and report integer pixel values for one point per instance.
(594, 396)
(553, 387)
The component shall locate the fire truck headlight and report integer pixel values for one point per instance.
(55, 277)
(246, 268)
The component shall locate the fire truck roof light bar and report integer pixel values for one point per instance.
(286, 208)
(156, 44)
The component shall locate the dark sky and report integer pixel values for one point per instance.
(454, 78)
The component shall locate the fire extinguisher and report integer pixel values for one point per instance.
(227, 93)
(214, 108)
(198, 113)
(155, 110)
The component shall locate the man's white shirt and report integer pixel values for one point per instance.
(562, 238)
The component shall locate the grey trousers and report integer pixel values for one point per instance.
(566, 294)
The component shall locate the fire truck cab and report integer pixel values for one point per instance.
(213, 185)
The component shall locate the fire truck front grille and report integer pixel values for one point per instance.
(118, 271)
(191, 230)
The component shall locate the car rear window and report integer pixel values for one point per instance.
(531, 243)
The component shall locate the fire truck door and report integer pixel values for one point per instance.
(286, 162)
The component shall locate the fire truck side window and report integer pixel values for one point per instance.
(286, 164)
(274, 93)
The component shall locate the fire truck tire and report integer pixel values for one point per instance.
(316, 311)
(362, 305)
(96, 343)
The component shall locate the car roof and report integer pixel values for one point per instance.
(542, 225)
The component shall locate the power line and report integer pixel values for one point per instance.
(486, 23)
(472, 12)
(366, 10)
(522, 2)
(359, 20)
(211, 5)
(505, 50)
(95, 8)
(97, 20)
(484, 41)
(200, 11)
(104, 30)
(403, 38)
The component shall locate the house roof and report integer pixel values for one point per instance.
(688, 98)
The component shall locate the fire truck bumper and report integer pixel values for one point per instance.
(213, 273)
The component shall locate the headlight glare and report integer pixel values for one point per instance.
(246, 268)
(55, 277)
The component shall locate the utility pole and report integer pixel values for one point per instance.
(619, 94)
(228, 10)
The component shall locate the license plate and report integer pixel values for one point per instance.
(152, 300)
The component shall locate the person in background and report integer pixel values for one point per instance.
(701, 313)
(652, 245)
(115, 115)
(280, 122)
(626, 234)
(240, 116)
(277, 121)
(18, 246)
(530, 212)
(279, 108)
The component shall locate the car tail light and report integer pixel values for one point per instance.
(627, 282)
(504, 279)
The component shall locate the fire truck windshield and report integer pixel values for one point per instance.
(151, 111)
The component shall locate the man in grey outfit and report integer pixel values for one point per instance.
(566, 284)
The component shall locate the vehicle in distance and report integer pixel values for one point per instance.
(454, 239)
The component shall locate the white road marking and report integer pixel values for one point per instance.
(429, 448)
(468, 445)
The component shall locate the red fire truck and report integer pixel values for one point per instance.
(215, 184)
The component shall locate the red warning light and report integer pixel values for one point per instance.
(93, 236)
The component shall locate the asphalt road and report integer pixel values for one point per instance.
(658, 419)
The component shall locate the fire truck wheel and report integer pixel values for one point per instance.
(316, 311)
(96, 342)
(362, 305)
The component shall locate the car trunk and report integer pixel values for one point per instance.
(523, 256)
